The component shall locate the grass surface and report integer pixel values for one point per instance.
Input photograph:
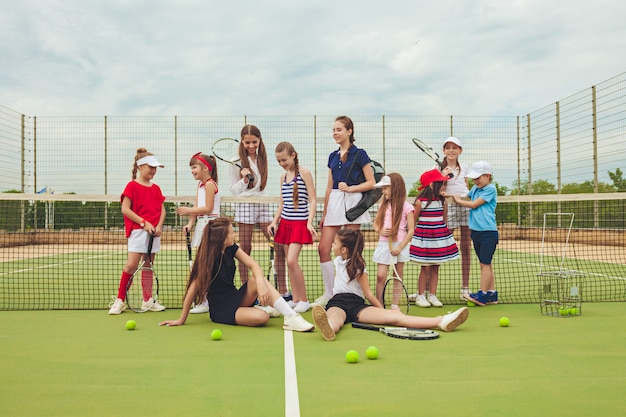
(77, 363)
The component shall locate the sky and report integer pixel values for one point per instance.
(275, 57)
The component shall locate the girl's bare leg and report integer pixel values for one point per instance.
(245, 243)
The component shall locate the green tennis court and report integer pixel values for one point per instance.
(77, 363)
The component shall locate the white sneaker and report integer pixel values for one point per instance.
(321, 301)
(413, 297)
(297, 323)
(302, 307)
(269, 310)
(432, 299)
(322, 323)
(421, 301)
(451, 321)
(464, 291)
(151, 305)
(117, 306)
(291, 304)
(200, 308)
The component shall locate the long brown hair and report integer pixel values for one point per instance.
(349, 125)
(431, 194)
(288, 147)
(261, 154)
(354, 242)
(141, 153)
(396, 200)
(210, 252)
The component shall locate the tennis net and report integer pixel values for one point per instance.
(68, 251)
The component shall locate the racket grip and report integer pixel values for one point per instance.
(250, 178)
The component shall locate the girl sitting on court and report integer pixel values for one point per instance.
(144, 214)
(205, 208)
(213, 274)
(352, 286)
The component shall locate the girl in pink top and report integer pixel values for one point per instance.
(394, 219)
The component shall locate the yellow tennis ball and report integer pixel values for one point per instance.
(131, 325)
(471, 304)
(371, 352)
(504, 321)
(352, 356)
(563, 311)
(216, 334)
(573, 311)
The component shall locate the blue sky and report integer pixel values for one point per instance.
(274, 57)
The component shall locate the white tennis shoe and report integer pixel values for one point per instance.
(451, 321)
(297, 323)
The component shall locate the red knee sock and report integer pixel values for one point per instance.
(121, 291)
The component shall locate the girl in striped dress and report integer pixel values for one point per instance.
(292, 225)
(432, 243)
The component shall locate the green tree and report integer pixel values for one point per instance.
(619, 181)
(538, 187)
(586, 187)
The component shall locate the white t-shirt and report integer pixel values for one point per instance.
(457, 184)
(343, 285)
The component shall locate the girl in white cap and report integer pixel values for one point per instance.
(458, 215)
(144, 214)
(394, 219)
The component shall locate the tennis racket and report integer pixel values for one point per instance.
(188, 238)
(271, 271)
(224, 149)
(395, 295)
(400, 332)
(143, 288)
(430, 152)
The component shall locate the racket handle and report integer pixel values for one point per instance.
(250, 178)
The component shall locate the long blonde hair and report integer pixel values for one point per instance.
(396, 200)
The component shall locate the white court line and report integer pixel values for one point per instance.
(292, 401)
(595, 274)
(17, 271)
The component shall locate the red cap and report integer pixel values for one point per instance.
(431, 176)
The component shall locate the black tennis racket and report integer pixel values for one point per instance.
(143, 288)
(271, 270)
(188, 238)
(430, 152)
(400, 332)
(225, 149)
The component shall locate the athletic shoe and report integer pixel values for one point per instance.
(481, 297)
(451, 321)
(421, 301)
(297, 323)
(291, 304)
(413, 298)
(432, 299)
(117, 306)
(269, 310)
(321, 321)
(464, 291)
(287, 296)
(151, 305)
(200, 308)
(492, 297)
(302, 307)
(322, 300)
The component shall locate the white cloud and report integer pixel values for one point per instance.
(476, 57)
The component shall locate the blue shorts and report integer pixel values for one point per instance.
(485, 245)
(351, 304)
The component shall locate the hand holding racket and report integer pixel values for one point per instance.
(430, 152)
(224, 149)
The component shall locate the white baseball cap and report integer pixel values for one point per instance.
(453, 140)
(383, 181)
(479, 168)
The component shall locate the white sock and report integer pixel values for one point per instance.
(281, 305)
(328, 275)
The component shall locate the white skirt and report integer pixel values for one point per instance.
(382, 255)
(338, 203)
(138, 242)
(201, 223)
